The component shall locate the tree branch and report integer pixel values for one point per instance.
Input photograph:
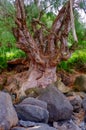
(61, 27)
(25, 40)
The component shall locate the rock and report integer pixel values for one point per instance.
(33, 92)
(28, 124)
(35, 102)
(81, 94)
(32, 111)
(8, 116)
(60, 85)
(83, 126)
(80, 83)
(40, 126)
(78, 117)
(76, 102)
(58, 105)
(84, 107)
(84, 104)
(68, 125)
(19, 128)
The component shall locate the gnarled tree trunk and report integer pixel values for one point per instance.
(44, 52)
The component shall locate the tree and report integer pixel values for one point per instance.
(44, 50)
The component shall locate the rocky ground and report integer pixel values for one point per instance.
(60, 106)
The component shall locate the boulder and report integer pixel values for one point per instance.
(8, 116)
(35, 102)
(32, 109)
(59, 106)
(80, 83)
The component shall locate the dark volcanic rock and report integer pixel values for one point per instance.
(32, 111)
(58, 105)
(8, 116)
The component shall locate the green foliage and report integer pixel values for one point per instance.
(78, 58)
(7, 8)
(3, 62)
(7, 54)
(8, 50)
(48, 19)
(14, 53)
(81, 33)
(32, 11)
(82, 5)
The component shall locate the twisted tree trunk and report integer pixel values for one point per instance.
(44, 52)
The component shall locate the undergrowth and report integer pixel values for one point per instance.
(7, 54)
(77, 59)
